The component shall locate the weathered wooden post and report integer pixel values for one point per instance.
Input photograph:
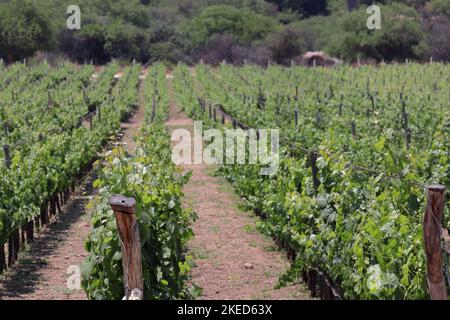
(277, 103)
(372, 100)
(296, 118)
(199, 101)
(127, 225)
(318, 119)
(85, 97)
(406, 125)
(353, 126)
(153, 110)
(432, 234)
(50, 101)
(314, 169)
(7, 156)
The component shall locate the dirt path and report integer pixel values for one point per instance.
(131, 128)
(41, 273)
(233, 260)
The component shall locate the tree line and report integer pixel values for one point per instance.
(233, 30)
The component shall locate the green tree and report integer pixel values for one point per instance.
(24, 29)
(287, 44)
(440, 7)
(401, 35)
(242, 24)
(123, 40)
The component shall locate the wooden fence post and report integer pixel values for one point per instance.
(277, 103)
(318, 119)
(7, 156)
(314, 169)
(124, 210)
(50, 101)
(202, 105)
(353, 126)
(432, 233)
(85, 97)
(153, 109)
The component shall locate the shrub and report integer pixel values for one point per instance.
(242, 25)
(24, 29)
(440, 7)
(288, 44)
(401, 35)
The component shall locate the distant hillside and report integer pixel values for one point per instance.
(231, 30)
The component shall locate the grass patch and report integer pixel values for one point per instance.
(201, 253)
(215, 229)
(249, 228)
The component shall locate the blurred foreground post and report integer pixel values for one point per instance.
(127, 225)
(432, 234)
